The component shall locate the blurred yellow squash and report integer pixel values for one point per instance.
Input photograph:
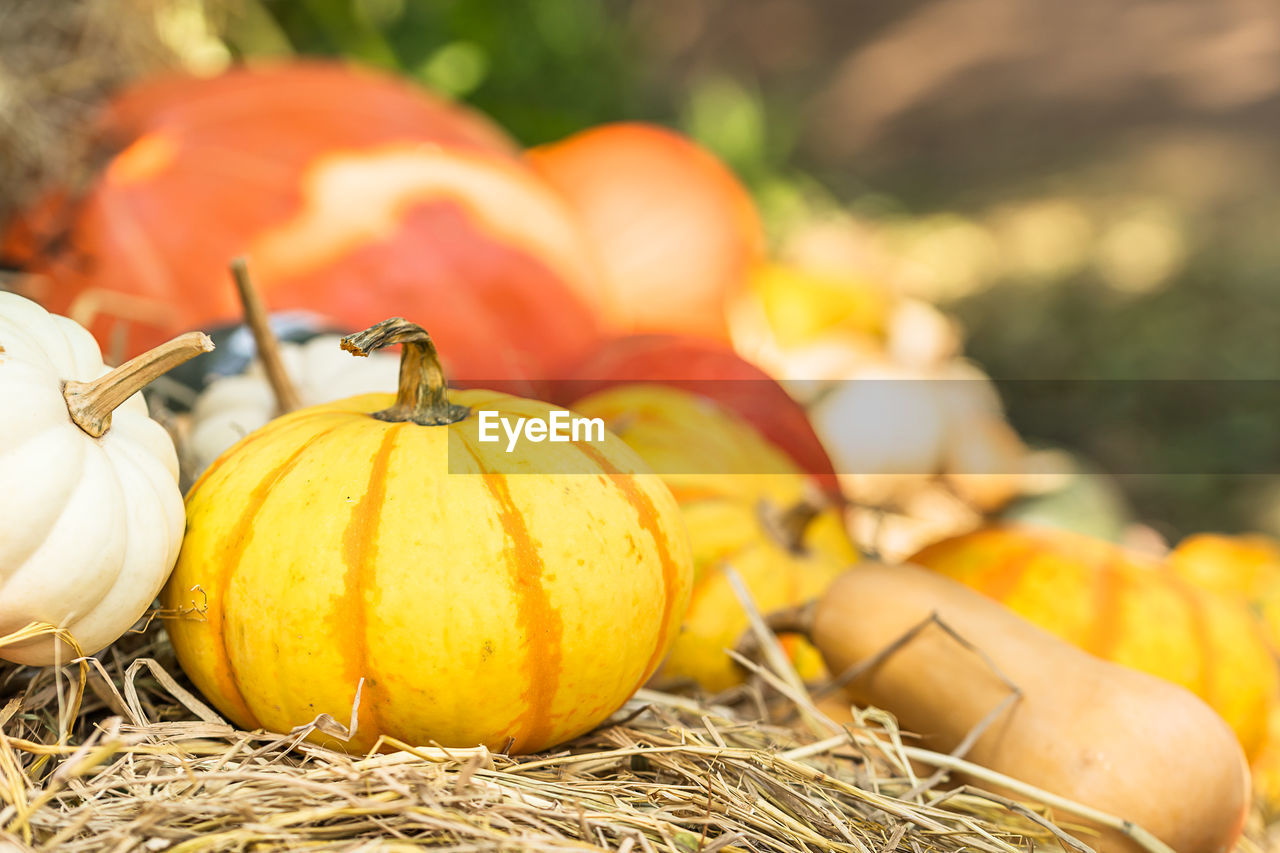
(746, 505)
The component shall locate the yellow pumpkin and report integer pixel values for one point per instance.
(747, 506)
(1265, 768)
(696, 445)
(1245, 567)
(780, 569)
(802, 305)
(1123, 607)
(373, 554)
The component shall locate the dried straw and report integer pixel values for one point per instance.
(146, 765)
(136, 761)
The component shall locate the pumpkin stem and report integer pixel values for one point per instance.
(787, 527)
(423, 393)
(255, 316)
(797, 619)
(91, 403)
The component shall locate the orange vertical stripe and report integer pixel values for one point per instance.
(1006, 575)
(540, 623)
(1108, 627)
(1200, 631)
(360, 556)
(647, 514)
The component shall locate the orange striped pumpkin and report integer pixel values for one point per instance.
(1123, 607)
(1246, 568)
(747, 506)
(355, 555)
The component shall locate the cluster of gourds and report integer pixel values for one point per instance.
(365, 557)
(330, 562)
(608, 257)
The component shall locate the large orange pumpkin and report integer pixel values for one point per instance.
(746, 505)
(1123, 607)
(376, 554)
(352, 195)
(677, 233)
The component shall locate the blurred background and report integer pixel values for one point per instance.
(1092, 189)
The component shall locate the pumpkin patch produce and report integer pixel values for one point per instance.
(889, 429)
(747, 507)
(916, 434)
(373, 556)
(279, 379)
(1123, 607)
(1126, 743)
(236, 351)
(921, 454)
(709, 369)
(89, 495)
(1245, 567)
(353, 197)
(616, 558)
(1265, 768)
(810, 323)
(675, 231)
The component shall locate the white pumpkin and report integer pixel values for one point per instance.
(89, 526)
(234, 406)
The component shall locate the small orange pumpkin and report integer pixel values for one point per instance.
(1247, 569)
(675, 230)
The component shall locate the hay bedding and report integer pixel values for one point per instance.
(117, 753)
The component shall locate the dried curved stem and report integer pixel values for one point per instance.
(423, 396)
(788, 526)
(91, 403)
(797, 619)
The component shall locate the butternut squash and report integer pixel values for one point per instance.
(1106, 736)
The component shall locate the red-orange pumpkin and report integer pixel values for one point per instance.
(712, 370)
(353, 195)
(676, 232)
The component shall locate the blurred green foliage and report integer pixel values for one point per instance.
(542, 68)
